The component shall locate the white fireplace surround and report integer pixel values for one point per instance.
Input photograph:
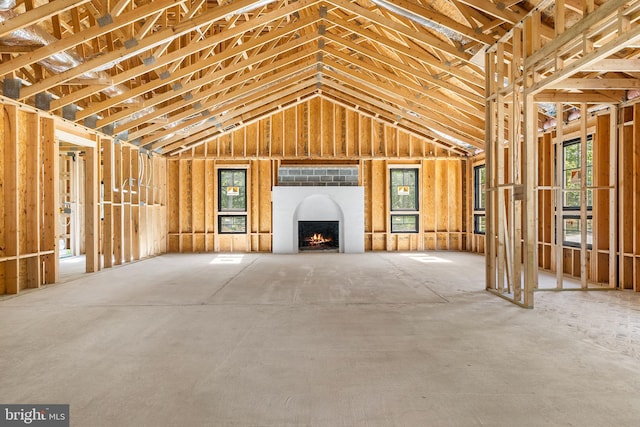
(293, 204)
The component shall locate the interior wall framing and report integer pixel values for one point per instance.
(30, 202)
(524, 70)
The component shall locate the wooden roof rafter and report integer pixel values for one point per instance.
(170, 74)
(409, 109)
(168, 61)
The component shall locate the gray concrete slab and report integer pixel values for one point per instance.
(378, 339)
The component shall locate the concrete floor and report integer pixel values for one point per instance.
(379, 339)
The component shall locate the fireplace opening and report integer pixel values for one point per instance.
(318, 236)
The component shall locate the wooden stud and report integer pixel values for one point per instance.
(118, 200)
(613, 194)
(107, 228)
(32, 197)
(51, 202)
(11, 227)
(559, 195)
(91, 205)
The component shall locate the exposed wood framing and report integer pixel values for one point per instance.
(325, 132)
(30, 206)
(586, 50)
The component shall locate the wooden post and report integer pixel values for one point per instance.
(583, 196)
(11, 218)
(117, 203)
(91, 204)
(613, 195)
(125, 189)
(135, 190)
(515, 165)
(490, 242)
(498, 143)
(530, 179)
(559, 193)
(32, 176)
(51, 201)
(107, 228)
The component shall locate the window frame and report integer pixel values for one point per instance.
(577, 142)
(222, 217)
(573, 212)
(226, 212)
(476, 224)
(569, 243)
(405, 212)
(479, 209)
(415, 216)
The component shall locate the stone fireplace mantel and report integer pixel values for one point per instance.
(293, 204)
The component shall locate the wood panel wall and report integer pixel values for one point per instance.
(30, 200)
(28, 187)
(312, 133)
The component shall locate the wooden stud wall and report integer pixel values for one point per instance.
(134, 192)
(629, 199)
(28, 191)
(616, 169)
(314, 132)
(30, 200)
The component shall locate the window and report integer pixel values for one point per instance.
(404, 198)
(232, 224)
(479, 182)
(479, 224)
(232, 190)
(478, 187)
(571, 195)
(572, 231)
(404, 189)
(572, 173)
(404, 223)
(232, 201)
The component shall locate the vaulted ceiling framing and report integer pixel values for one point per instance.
(171, 74)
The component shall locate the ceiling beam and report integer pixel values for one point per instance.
(177, 121)
(472, 94)
(576, 98)
(443, 21)
(373, 97)
(71, 41)
(472, 128)
(470, 78)
(604, 83)
(475, 110)
(136, 47)
(381, 110)
(236, 116)
(169, 76)
(204, 80)
(38, 14)
(197, 97)
(378, 19)
(614, 65)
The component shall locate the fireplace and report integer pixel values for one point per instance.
(341, 206)
(319, 236)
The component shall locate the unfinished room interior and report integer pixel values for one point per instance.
(321, 212)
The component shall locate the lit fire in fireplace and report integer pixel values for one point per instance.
(317, 239)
